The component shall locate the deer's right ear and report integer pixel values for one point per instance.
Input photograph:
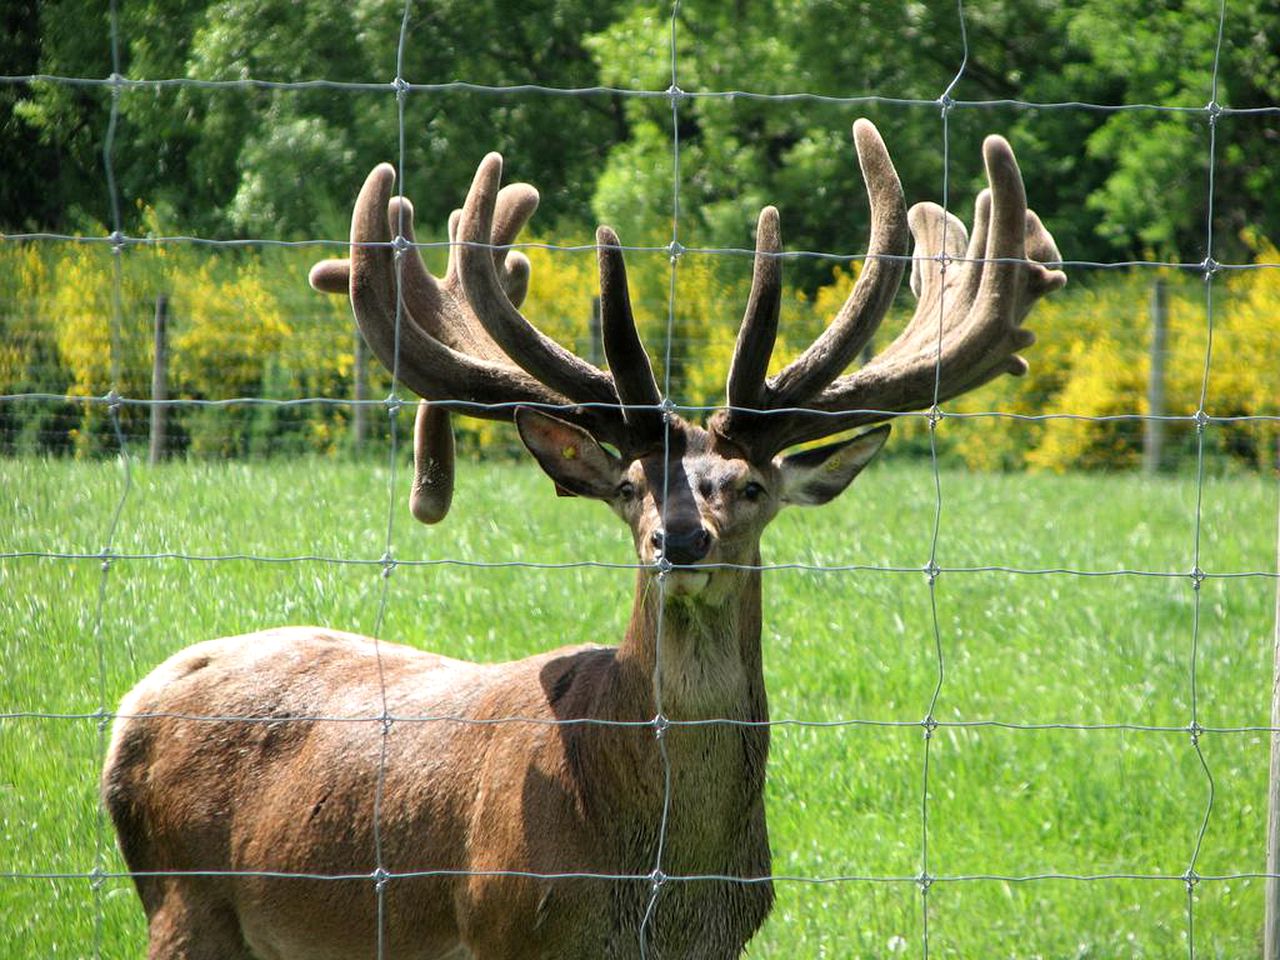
(816, 476)
(569, 455)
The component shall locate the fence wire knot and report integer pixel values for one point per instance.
(380, 878)
(675, 94)
(1198, 577)
(1202, 420)
(1191, 878)
(1209, 267)
(113, 401)
(393, 404)
(117, 240)
(388, 564)
(932, 571)
(934, 416)
(104, 718)
(1214, 109)
(401, 245)
(924, 881)
(401, 86)
(660, 725)
(97, 877)
(675, 250)
(1196, 732)
(929, 725)
(946, 104)
(106, 554)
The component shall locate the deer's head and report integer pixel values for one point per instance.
(696, 498)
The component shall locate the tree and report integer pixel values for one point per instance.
(1114, 184)
(250, 159)
(254, 160)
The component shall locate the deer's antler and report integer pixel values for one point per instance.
(462, 338)
(973, 294)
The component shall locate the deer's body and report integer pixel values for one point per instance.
(295, 795)
(232, 766)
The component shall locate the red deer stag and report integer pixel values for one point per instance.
(472, 819)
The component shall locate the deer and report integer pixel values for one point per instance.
(303, 792)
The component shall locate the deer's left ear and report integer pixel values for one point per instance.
(568, 454)
(815, 476)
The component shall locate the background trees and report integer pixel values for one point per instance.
(257, 143)
(256, 160)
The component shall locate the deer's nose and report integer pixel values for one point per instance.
(683, 546)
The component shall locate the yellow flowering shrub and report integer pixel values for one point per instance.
(243, 323)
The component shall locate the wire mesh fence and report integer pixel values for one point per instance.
(267, 373)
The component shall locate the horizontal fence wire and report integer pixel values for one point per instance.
(116, 400)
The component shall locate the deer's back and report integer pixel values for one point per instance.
(266, 753)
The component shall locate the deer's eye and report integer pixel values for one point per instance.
(626, 490)
(753, 491)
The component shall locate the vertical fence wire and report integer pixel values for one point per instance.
(381, 877)
(1197, 573)
(929, 724)
(105, 706)
(661, 726)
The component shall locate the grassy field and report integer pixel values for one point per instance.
(1003, 803)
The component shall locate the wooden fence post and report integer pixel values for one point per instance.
(1153, 429)
(159, 380)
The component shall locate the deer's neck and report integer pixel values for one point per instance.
(694, 660)
(689, 661)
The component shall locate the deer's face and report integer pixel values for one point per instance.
(698, 508)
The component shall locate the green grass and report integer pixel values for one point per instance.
(843, 801)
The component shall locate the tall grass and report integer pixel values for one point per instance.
(843, 800)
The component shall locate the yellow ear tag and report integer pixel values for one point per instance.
(570, 452)
(833, 465)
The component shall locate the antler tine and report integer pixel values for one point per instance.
(433, 463)
(537, 353)
(828, 356)
(966, 328)
(759, 330)
(516, 204)
(427, 366)
(632, 372)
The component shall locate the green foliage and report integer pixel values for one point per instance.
(1139, 183)
(255, 160)
(250, 159)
